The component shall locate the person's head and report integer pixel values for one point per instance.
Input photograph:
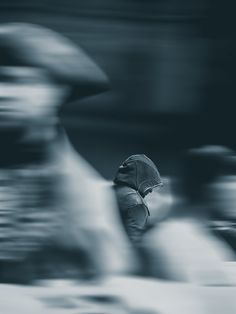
(140, 173)
(28, 94)
(200, 168)
(39, 71)
(222, 192)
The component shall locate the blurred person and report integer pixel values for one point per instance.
(182, 248)
(57, 216)
(222, 194)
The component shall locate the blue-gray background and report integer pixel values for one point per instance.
(172, 70)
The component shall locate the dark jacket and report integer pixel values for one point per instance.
(135, 178)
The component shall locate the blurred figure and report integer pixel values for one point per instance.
(57, 217)
(182, 248)
(222, 194)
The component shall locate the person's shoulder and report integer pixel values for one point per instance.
(128, 197)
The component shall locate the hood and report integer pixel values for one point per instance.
(139, 173)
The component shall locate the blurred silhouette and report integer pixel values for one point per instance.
(57, 216)
(182, 248)
(223, 201)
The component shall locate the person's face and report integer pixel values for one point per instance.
(27, 94)
(148, 191)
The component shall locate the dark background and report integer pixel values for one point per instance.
(172, 70)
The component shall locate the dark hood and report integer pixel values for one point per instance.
(139, 173)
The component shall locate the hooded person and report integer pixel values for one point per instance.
(57, 215)
(135, 179)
